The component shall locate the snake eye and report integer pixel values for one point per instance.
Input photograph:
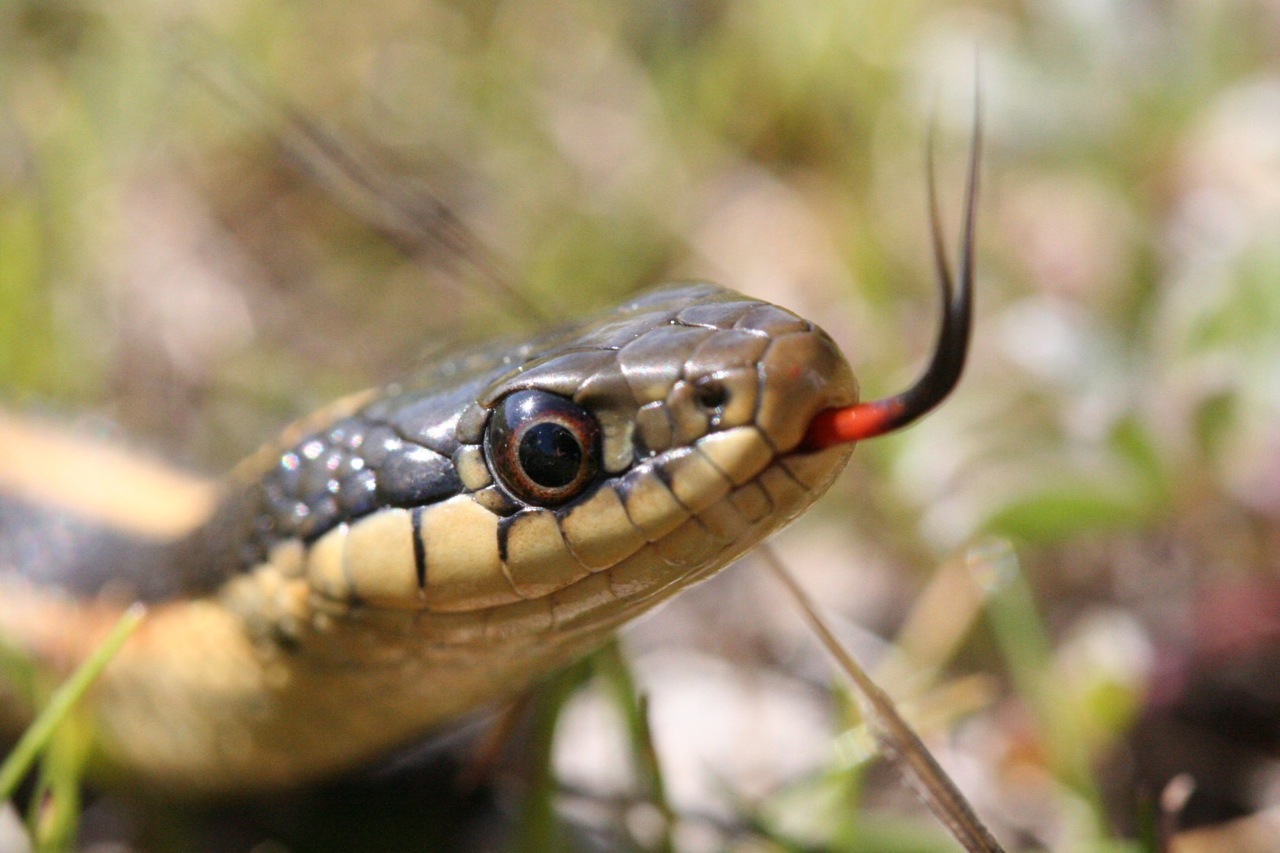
(542, 448)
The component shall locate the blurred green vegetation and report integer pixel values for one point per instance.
(168, 274)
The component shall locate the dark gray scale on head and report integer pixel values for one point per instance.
(429, 421)
(563, 374)
(394, 452)
(356, 466)
(714, 352)
(653, 363)
(772, 321)
(417, 476)
(716, 315)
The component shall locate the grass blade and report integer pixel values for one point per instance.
(37, 736)
(897, 739)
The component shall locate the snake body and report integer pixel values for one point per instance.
(418, 550)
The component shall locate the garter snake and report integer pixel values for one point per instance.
(417, 550)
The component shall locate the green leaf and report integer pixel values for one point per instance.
(1060, 512)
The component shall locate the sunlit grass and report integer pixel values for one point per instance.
(61, 743)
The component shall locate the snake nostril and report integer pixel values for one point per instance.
(711, 394)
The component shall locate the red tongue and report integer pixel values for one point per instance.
(852, 423)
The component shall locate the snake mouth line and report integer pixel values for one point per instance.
(701, 538)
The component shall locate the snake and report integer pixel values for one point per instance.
(416, 551)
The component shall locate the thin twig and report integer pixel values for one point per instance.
(892, 733)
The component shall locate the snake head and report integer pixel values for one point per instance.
(642, 450)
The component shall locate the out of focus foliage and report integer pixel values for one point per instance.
(170, 266)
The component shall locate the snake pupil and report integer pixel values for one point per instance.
(550, 455)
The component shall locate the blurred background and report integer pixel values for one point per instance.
(217, 215)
